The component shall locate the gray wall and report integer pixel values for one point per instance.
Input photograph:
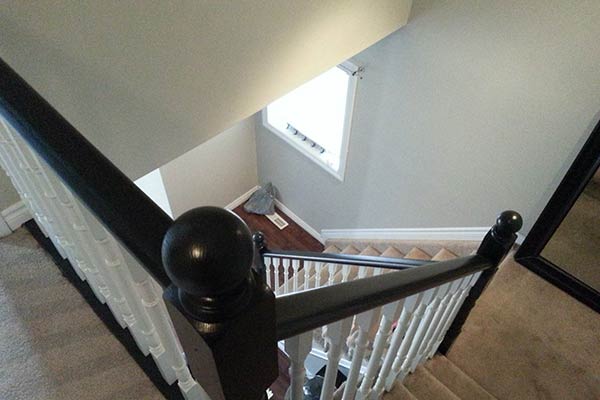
(8, 194)
(472, 108)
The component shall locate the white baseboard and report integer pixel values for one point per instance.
(242, 199)
(16, 215)
(472, 234)
(312, 231)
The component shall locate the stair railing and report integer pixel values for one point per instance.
(187, 290)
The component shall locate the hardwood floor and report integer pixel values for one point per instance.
(292, 237)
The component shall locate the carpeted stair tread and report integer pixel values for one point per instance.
(444, 255)
(392, 252)
(350, 250)
(424, 386)
(417, 254)
(399, 392)
(456, 380)
(370, 251)
(332, 249)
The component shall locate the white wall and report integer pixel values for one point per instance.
(146, 81)
(472, 108)
(152, 184)
(214, 173)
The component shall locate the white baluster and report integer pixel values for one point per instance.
(446, 310)
(399, 333)
(268, 267)
(308, 266)
(363, 323)
(335, 335)
(297, 348)
(415, 322)
(437, 309)
(464, 292)
(408, 365)
(318, 274)
(276, 285)
(333, 268)
(387, 314)
(295, 274)
(286, 276)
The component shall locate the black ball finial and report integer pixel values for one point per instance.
(208, 251)
(508, 223)
(259, 240)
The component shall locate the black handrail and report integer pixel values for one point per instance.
(301, 312)
(131, 216)
(349, 259)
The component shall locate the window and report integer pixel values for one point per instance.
(315, 118)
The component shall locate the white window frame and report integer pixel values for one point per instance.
(354, 72)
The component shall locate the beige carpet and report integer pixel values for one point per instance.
(52, 345)
(526, 339)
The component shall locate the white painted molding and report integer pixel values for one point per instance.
(312, 231)
(475, 234)
(242, 199)
(16, 215)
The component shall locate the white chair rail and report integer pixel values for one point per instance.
(376, 348)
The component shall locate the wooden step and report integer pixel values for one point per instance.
(456, 380)
(424, 386)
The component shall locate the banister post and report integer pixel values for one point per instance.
(495, 246)
(223, 313)
(260, 246)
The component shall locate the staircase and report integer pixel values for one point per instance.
(425, 378)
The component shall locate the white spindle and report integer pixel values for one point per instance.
(335, 336)
(463, 293)
(308, 267)
(276, 285)
(285, 287)
(387, 313)
(446, 308)
(295, 274)
(268, 267)
(415, 322)
(318, 274)
(431, 303)
(297, 348)
(362, 323)
(332, 269)
(437, 309)
(399, 333)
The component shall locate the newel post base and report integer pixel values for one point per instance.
(222, 311)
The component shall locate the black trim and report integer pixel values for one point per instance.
(529, 254)
(131, 216)
(348, 259)
(147, 364)
(302, 311)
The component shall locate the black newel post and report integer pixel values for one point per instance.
(495, 246)
(223, 313)
(260, 246)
